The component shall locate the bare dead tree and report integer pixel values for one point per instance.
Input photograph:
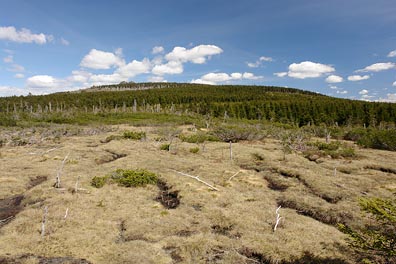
(278, 218)
(59, 173)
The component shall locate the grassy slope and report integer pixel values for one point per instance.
(123, 225)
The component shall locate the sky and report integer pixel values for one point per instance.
(340, 48)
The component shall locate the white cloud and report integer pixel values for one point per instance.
(157, 50)
(334, 79)
(79, 77)
(134, 68)
(253, 64)
(101, 60)
(333, 87)
(280, 74)
(64, 42)
(259, 62)
(10, 91)
(23, 36)
(394, 83)
(102, 79)
(376, 67)
(9, 59)
(391, 98)
(172, 67)
(198, 54)
(355, 78)
(363, 92)
(19, 75)
(392, 54)
(42, 82)
(263, 58)
(214, 78)
(342, 92)
(308, 69)
(156, 79)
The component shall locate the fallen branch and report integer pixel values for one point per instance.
(196, 178)
(234, 176)
(5, 220)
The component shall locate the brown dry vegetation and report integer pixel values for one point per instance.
(115, 224)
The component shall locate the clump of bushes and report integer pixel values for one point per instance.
(127, 178)
(198, 138)
(194, 150)
(165, 147)
(134, 178)
(235, 133)
(333, 149)
(134, 135)
(99, 181)
(373, 138)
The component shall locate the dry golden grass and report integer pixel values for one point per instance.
(115, 224)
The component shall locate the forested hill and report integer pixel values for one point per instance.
(278, 104)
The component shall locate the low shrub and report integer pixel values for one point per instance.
(98, 181)
(165, 147)
(134, 135)
(198, 138)
(194, 150)
(134, 178)
(236, 133)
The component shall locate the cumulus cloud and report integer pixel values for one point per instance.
(394, 83)
(101, 60)
(23, 36)
(259, 62)
(172, 67)
(214, 78)
(355, 78)
(334, 79)
(342, 92)
(392, 54)
(157, 50)
(308, 69)
(363, 92)
(134, 68)
(10, 91)
(198, 54)
(376, 67)
(42, 81)
(280, 74)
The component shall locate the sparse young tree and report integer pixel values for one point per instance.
(376, 242)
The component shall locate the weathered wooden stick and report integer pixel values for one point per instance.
(44, 222)
(76, 186)
(66, 213)
(196, 178)
(278, 218)
(234, 176)
(58, 175)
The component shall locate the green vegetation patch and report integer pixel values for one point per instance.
(198, 138)
(134, 135)
(333, 149)
(127, 178)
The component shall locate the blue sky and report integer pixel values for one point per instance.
(340, 48)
